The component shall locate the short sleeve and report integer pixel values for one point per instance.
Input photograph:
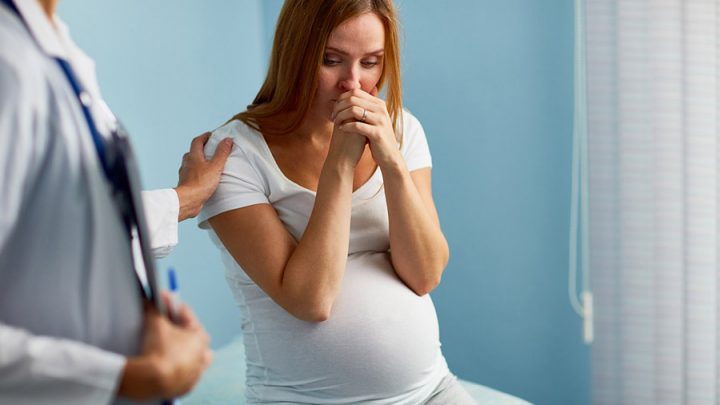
(414, 147)
(241, 185)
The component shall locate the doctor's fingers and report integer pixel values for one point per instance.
(187, 318)
(207, 358)
(221, 153)
(197, 145)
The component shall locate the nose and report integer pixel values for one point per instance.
(350, 80)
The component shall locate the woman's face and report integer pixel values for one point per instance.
(353, 59)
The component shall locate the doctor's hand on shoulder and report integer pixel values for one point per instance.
(172, 360)
(199, 177)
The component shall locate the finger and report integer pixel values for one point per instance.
(151, 316)
(203, 138)
(209, 356)
(188, 319)
(166, 299)
(353, 101)
(354, 113)
(197, 146)
(222, 152)
(360, 128)
(357, 94)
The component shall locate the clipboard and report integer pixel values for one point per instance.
(124, 175)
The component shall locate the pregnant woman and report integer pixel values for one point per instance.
(326, 223)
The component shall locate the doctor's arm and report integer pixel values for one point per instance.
(48, 370)
(198, 179)
(45, 370)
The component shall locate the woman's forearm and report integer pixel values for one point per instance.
(314, 271)
(418, 247)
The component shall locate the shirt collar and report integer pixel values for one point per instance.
(50, 38)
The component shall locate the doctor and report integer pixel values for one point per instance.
(72, 325)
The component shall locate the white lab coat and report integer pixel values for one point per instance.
(69, 305)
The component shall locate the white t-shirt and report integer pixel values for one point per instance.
(380, 344)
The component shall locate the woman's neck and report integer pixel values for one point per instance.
(316, 128)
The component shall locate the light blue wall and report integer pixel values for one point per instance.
(172, 69)
(492, 83)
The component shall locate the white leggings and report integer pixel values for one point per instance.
(450, 392)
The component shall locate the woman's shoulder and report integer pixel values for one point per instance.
(411, 126)
(408, 117)
(413, 144)
(244, 137)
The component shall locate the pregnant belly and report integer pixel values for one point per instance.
(380, 341)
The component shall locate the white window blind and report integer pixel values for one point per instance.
(652, 119)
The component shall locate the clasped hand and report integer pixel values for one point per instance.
(360, 113)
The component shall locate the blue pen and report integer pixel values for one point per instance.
(175, 302)
(174, 312)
